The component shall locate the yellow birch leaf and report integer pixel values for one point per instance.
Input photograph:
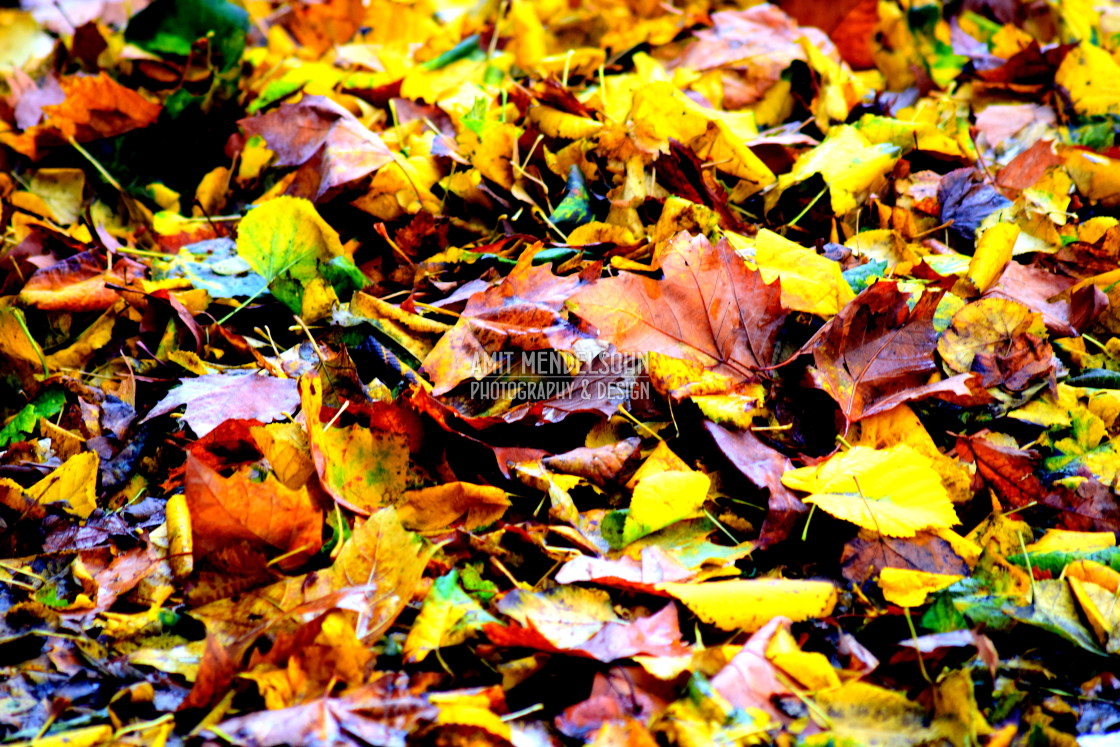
(1097, 604)
(1092, 78)
(871, 715)
(748, 604)
(993, 252)
(75, 483)
(1094, 572)
(894, 491)
(909, 588)
(1066, 540)
(662, 499)
(809, 282)
(900, 425)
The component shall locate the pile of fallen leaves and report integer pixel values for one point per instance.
(527, 372)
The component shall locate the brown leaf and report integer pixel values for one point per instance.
(225, 510)
(519, 313)
(599, 465)
(94, 107)
(79, 283)
(758, 43)
(319, 132)
(865, 556)
(764, 467)
(874, 348)
(708, 307)
(1009, 472)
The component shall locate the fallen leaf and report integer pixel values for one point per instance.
(708, 307)
(874, 348)
(894, 491)
(750, 604)
(212, 399)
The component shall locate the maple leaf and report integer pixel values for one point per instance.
(876, 347)
(708, 307)
(214, 398)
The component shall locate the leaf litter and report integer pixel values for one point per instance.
(531, 373)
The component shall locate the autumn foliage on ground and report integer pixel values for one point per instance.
(534, 373)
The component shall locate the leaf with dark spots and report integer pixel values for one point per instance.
(966, 200)
(876, 347)
(708, 307)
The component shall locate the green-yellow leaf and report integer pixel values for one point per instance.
(894, 491)
(662, 499)
(447, 618)
(284, 241)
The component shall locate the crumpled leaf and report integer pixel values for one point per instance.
(334, 145)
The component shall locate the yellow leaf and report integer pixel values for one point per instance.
(467, 709)
(851, 167)
(859, 713)
(909, 588)
(748, 604)
(894, 491)
(439, 507)
(812, 669)
(900, 425)
(75, 482)
(555, 123)
(1092, 78)
(1097, 604)
(662, 499)
(1065, 540)
(993, 252)
(809, 282)
(85, 737)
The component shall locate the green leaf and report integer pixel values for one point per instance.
(46, 405)
(575, 209)
(447, 618)
(170, 27)
(286, 242)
